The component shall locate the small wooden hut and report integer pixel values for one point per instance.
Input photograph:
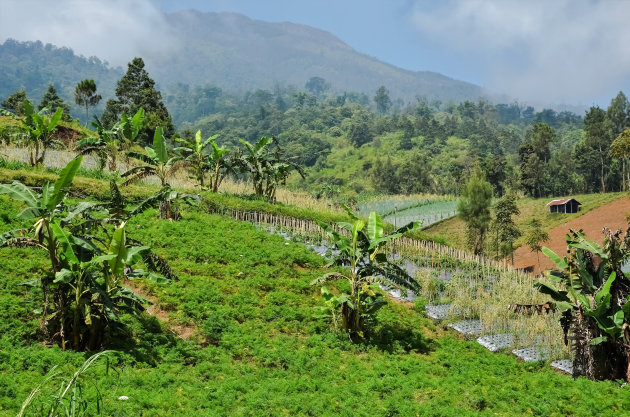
(564, 205)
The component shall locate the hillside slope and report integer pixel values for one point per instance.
(238, 53)
(453, 230)
(33, 65)
(611, 215)
(234, 53)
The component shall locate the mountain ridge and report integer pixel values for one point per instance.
(288, 53)
(233, 52)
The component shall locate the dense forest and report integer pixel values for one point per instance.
(354, 143)
(363, 143)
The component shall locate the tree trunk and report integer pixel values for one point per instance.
(607, 360)
(601, 156)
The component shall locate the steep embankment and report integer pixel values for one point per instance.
(611, 215)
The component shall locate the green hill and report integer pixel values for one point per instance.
(255, 345)
(33, 65)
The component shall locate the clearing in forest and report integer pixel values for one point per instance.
(611, 215)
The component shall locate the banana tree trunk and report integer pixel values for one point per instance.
(596, 362)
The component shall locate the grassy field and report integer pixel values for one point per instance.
(453, 231)
(258, 349)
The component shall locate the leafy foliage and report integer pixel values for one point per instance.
(37, 130)
(89, 260)
(592, 291)
(360, 249)
(51, 101)
(267, 169)
(111, 143)
(194, 152)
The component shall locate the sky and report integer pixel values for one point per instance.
(536, 51)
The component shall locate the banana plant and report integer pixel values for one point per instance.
(38, 130)
(267, 169)
(194, 152)
(593, 299)
(93, 275)
(366, 267)
(83, 291)
(157, 162)
(110, 143)
(220, 166)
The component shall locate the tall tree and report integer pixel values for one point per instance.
(541, 136)
(619, 114)
(536, 237)
(85, 95)
(506, 230)
(382, 100)
(620, 148)
(532, 170)
(598, 137)
(316, 85)
(136, 90)
(360, 131)
(474, 209)
(52, 101)
(14, 103)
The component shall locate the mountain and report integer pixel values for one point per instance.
(232, 52)
(235, 52)
(33, 65)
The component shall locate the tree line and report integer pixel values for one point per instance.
(355, 143)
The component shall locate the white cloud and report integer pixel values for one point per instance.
(560, 51)
(114, 30)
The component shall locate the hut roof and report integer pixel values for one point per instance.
(562, 201)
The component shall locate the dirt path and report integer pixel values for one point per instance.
(612, 215)
(184, 331)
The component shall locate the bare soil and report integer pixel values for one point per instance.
(611, 215)
(182, 330)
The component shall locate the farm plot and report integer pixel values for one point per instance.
(386, 207)
(430, 212)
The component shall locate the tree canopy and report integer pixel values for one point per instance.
(136, 90)
(52, 101)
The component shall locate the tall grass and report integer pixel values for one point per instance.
(485, 289)
(69, 400)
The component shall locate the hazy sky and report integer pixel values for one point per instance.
(562, 51)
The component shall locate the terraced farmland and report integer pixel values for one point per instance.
(400, 211)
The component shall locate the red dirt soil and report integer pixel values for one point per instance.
(611, 215)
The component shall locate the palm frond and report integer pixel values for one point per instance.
(331, 276)
(142, 158)
(136, 174)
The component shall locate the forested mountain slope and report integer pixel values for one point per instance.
(237, 53)
(33, 65)
(234, 53)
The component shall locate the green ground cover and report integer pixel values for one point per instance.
(259, 350)
(91, 183)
